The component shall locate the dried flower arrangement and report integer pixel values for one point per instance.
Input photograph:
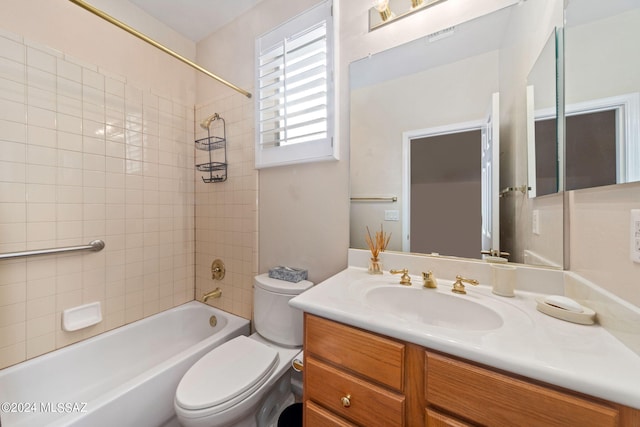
(376, 246)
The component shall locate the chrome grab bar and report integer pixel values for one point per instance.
(95, 245)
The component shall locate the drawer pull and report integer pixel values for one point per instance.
(346, 401)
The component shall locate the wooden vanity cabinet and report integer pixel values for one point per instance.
(354, 377)
(353, 374)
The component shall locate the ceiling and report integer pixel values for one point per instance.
(195, 19)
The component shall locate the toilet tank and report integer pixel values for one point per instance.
(273, 318)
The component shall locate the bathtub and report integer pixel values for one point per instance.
(124, 377)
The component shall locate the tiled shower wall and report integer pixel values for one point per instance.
(227, 212)
(86, 155)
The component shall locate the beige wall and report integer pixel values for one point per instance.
(600, 238)
(303, 209)
(96, 141)
(600, 217)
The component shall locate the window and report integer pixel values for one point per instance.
(294, 96)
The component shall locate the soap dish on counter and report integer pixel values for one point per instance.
(547, 306)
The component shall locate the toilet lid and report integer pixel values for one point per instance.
(238, 366)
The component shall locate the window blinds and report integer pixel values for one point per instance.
(294, 86)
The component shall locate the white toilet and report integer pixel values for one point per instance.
(247, 380)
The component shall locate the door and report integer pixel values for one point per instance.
(490, 177)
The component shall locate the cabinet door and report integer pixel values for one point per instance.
(350, 397)
(494, 399)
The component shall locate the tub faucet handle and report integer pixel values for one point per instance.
(217, 269)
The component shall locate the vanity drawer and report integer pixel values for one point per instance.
(369, 404)
(434, 418)
(315, 415)
(491, 398)
(365, 353)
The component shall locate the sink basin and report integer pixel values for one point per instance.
(433, 308)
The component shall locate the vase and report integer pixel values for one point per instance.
(375, 265)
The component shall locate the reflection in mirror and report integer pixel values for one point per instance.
(545, 157)
(417, 102)
(602, 93)
(542, 128)
(413, 100)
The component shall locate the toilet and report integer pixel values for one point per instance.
(247, 380)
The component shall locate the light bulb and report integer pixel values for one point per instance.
(382, 6)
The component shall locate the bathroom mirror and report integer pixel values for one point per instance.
(602, 93)
(443, 85)
(544, 165)
(545, 202)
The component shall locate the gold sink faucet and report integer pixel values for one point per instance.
(458, 287)
(216, 293)
(428, 281)
(405, 279)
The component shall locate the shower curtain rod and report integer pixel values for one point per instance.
(154, 43)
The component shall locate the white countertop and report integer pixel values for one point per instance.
(584, 358)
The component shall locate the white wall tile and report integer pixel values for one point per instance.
(41, 60)
(12, 70)
(12, 172)
(82, 147)
(41, 79)
(42, 136)
(43, 98)
(93, 79)
(12, 50)
(38, 155)
(69, 123)
(13, 111)
(41, 212)
(13, 91)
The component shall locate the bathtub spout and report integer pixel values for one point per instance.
(216, 293)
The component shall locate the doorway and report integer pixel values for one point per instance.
(445, 193)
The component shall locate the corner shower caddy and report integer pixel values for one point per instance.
(211, 143)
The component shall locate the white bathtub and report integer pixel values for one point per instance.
(124, 377)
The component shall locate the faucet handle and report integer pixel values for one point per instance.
(458, 287)
(428, 281)
(405, 279)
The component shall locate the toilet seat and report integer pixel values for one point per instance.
(226, 375)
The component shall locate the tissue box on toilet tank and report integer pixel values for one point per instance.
(289, 274)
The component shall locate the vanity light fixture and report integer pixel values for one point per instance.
(386, 11)
(382, 6)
